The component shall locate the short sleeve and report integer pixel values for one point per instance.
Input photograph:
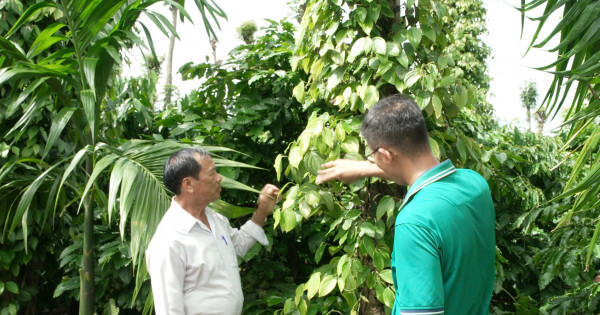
(417, 271)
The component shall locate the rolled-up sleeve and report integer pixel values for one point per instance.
(246, 236)
(167, 272)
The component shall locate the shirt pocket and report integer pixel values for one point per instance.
(228, 252)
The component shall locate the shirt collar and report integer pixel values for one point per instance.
(183, 218)
(432, 175)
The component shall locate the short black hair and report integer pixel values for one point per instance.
(398, 122)
(182, 164)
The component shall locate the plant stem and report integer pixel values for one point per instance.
(594, 93)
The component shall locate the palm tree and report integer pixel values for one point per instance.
(205, 7)
(68, 70)
(528, 100)
(576, 85)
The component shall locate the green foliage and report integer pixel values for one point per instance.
(355, 52)
(60, 141)
(244, 103)
(529, 99)
(575, 85)
(246, 31)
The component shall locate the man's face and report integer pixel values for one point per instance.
(208, 185)
(390, 162)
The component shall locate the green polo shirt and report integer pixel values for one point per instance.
(444, 244)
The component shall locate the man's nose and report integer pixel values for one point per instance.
(219, 178)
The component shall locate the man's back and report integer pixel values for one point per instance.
(444, 246)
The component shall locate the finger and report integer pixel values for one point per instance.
(324, 171)
(321, 178)
(329, 164)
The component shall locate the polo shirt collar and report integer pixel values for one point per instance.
(430, 176)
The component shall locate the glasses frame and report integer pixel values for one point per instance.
(373, 152)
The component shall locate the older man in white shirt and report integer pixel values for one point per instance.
(192, 256)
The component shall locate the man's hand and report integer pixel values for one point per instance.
(347, 171)
(266, 202)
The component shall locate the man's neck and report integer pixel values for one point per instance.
(419, 166)
(194, 209)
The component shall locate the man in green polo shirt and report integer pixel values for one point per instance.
(444, 242)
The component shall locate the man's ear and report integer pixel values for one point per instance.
(186, 184)
(387, 155)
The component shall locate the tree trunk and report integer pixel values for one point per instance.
(169, 81)
(86, 273)
(529, 119)
(213, 46)
(373, 307)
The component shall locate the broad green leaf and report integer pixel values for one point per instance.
(327, 285)
(12, 287)
(501, 157)
(335, 77)
(428, 31)
(328, 137)
(435, 148)
(411, 77)
(305, 209)
(337, 57)
(423, 99)
(312, 198)
(388, 297)
(278, 167)
(378, 260)
(313, 162)
(371, 96)
(379, 46)
(437, 106)
(327, 199)
(386, 275)
(460, 97)
(385, 205)
(319, 252)
(313, 284)
(369, 245)
(298, 92)
(295, 156)
(392, 49)
(361, 13)
(414, 36)
(368, 229)
(357, 48)
(288, 220)
(340, 133)
(462, 150)
(342, 264)
(350, 144)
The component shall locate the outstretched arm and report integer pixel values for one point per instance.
(266, 201)
(348, 171)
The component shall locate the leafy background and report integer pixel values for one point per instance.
(82, 151)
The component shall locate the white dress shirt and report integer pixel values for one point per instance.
(194, 269)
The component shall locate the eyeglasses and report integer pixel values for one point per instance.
(373, 152)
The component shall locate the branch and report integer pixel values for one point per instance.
(594, 93)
